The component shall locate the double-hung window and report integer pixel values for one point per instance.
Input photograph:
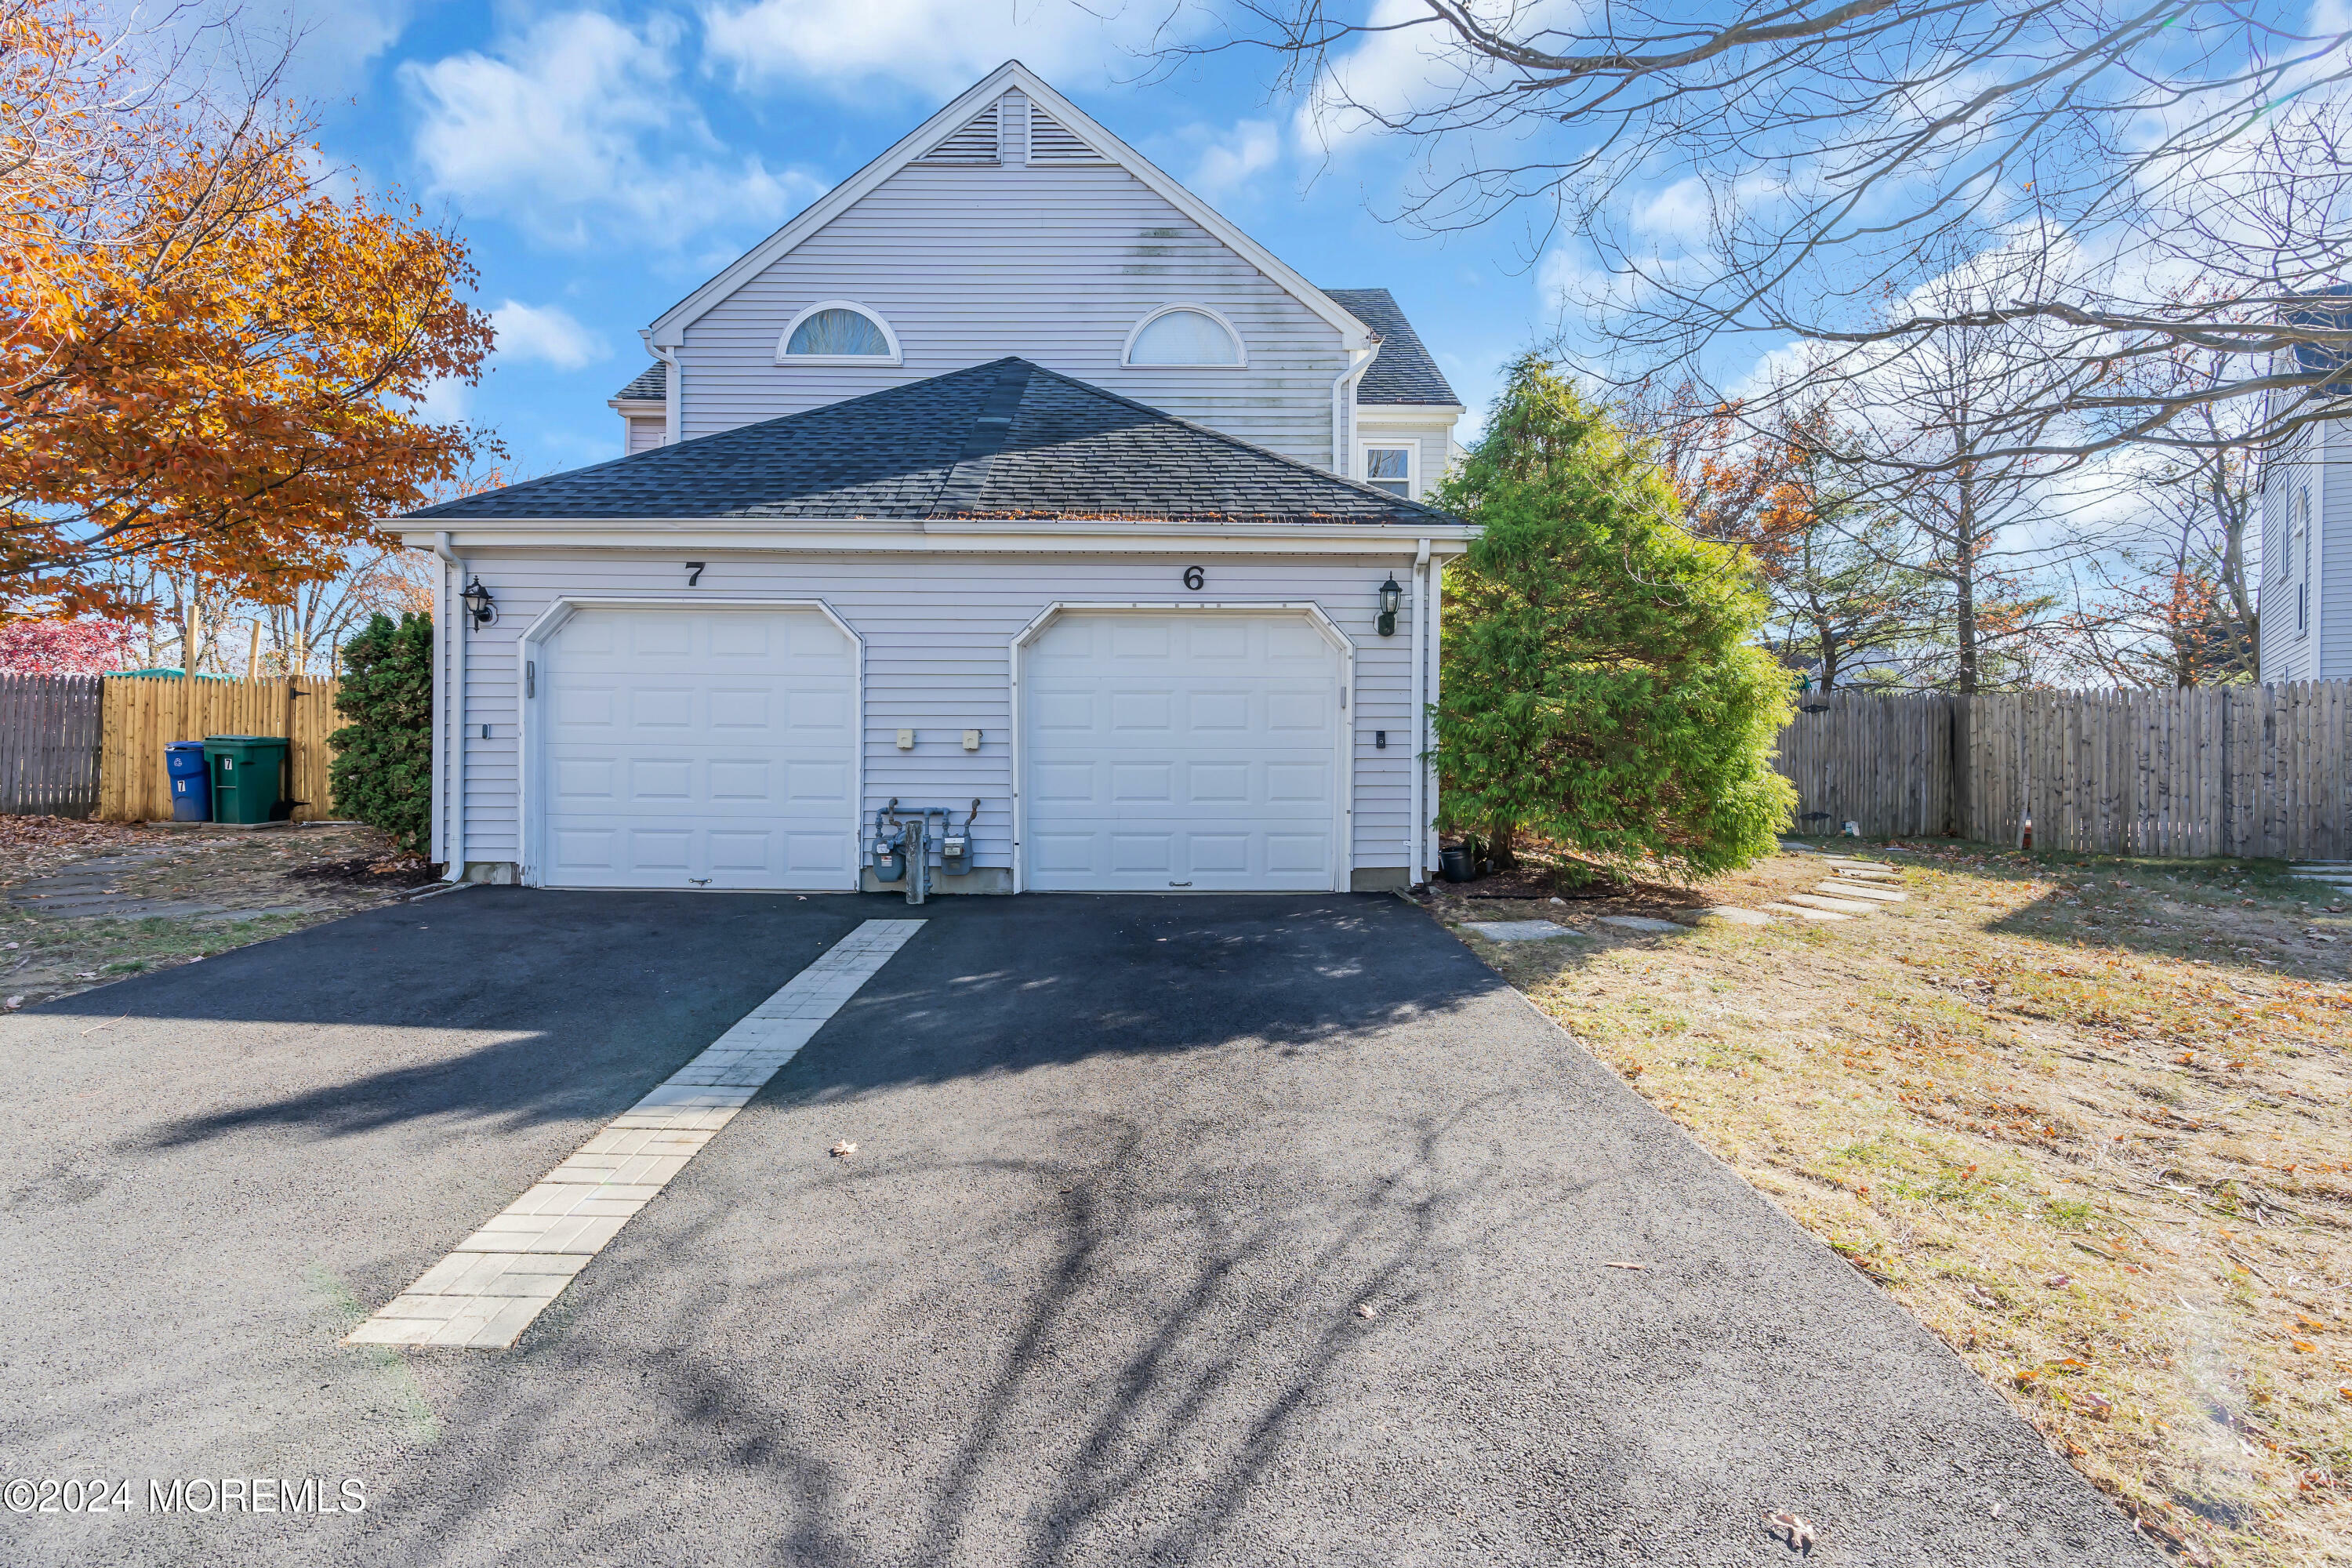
(1389, 468)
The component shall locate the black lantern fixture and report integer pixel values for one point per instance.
(1392, 600)
(479, 605)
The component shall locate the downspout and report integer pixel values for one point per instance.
(1436, 665)
(1343, 405)
(673, 393)
(455, 706)
(1420, 825)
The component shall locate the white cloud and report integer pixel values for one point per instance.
(447, 401)
(579, 123)
(546, 334)
(1233, 160)
(334, 42)
(935, 46)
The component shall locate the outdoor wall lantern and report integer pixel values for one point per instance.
(479, 605)
(1392, 600)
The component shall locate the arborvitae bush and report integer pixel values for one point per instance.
(383, 771)
(1603, 686)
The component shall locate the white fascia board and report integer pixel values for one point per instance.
(669, 328)
(646, 407)
(570, 535)
(1407, 413)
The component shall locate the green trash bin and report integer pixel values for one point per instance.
(247, 771)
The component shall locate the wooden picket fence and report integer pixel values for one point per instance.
(145, 713)
(2224, 770)
(1883, 760)
(48, 744)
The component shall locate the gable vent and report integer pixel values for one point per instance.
(974, 142)
(1050, 143)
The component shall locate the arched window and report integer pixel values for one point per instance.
(839, 331)
(1184, 335)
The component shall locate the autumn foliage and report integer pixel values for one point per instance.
(210, 360)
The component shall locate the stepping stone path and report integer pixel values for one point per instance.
(1518, 931)
(1637, 922)
(2335, 874)
(1855, 888)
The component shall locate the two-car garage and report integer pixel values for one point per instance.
(1158, 749)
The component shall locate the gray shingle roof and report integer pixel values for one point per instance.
(1404, 372)
(651, 385)
(1001, 440)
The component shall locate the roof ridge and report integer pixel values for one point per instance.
(990, 428)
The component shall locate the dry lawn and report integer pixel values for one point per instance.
(2089, 1119)
(266, 884)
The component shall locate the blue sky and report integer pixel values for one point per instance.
(602, 161)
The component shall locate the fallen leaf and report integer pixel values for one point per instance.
(2096, 1406)
(2305, 1346)
(1792, 1528)
(1984, 1297)
(2059, 1281)
(1366, 1310)
(843, 1151)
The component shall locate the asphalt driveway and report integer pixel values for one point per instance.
(1088, 1292)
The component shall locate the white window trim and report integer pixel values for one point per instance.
(1240, 346)
(893, 357)
(1411, 450)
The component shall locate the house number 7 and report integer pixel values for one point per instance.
(1193, 578)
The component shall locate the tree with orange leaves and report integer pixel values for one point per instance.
(209, 364)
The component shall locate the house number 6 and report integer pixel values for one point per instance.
(1193, 579)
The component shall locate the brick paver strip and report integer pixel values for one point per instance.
(484, 1294)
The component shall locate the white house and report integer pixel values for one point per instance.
(1009, 478)
(2305, 593)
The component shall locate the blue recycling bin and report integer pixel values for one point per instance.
(192, 785)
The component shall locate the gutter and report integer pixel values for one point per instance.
(1343, 404)
(453, 705)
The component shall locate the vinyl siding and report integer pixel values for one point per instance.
(643, 435)
(2332, 557)
(1055, 263)
(938, 632)
(2286, 656)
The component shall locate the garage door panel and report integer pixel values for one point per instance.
(1063, 854)
(693, 749)
(1148, 713)
(1063, 783)
(1172, 750)
(1215, 853)
(584, 706)
(664, 782)
(1209, 713)
(1298, 852)
(1153, 852)
(656, 636)
(1149, 783)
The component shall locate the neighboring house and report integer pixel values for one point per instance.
(2305, 593)
(1010, 473)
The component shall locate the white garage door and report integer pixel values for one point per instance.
(697, 749)
(1192, 751)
